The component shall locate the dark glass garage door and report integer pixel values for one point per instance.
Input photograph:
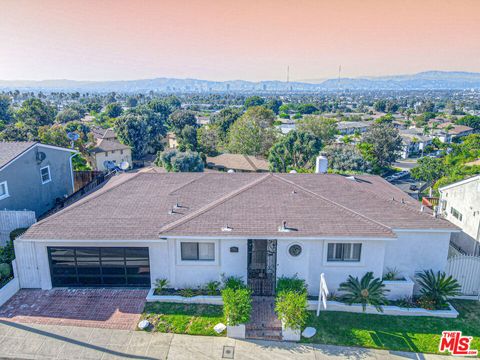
(99, 266)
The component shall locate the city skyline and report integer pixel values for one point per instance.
(248, 40)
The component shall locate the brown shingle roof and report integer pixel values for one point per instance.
(9, 150)
(137, 207)
(238, 162)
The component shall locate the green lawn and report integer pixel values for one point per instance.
(405, 333)
(184, 318)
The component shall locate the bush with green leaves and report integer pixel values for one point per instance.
(212, 288)
(293, 283)
(233, 282)
(291, 308)
(437, 287)
(188, 292)
(177, 161)
(391, 274)
(5, 271)
(160, 284)
(366, 291)
(237, 305)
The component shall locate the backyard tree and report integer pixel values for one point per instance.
(296, 150)
(345, 158)
(323, 128)
(383, 144)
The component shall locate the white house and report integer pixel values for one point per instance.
(191, 228)
(460, 204)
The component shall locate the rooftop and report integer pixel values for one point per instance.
(9, 150)
(148, 206)
(238, 162)
(104, 145)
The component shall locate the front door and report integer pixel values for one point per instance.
(262, 264)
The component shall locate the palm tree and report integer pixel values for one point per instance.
(367, 291)
(437, 287)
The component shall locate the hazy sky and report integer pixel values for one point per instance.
(235, 39)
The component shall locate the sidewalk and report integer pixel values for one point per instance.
(33, 341)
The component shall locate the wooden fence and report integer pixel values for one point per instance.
(11, 220)
(82, 178)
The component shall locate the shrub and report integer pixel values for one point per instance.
(367, 291)
(187, 292)
(5, 271)
(233, 282)
(160, 284)
(291, 308)
(391, 274)
(436, 288)
(212, 288)
(237, 305)
(291, 284)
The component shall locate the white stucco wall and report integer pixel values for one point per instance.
(412, 251)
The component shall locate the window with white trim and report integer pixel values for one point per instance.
(45, 174)
(344, 252)
(3, 190)
(197, 251)
(457, 214)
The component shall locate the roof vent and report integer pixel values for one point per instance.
(321, 165)
(227, 228)
(285, 228)
(172, 211)
(230, 171)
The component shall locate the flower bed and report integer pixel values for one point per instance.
(196, 299)
(387, 310)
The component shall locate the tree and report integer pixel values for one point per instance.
(468, 120)
(274, 105)
(67, 115)
(177, 161)
(224, 119)
(296, 150)
(252, 101)
(253, 133)
(160, 107)
(132, 101)
(5, 110)
(35, 112)
(208, 140)
(345, 158)
(385, 119)
(323, 128)
(132, 130)
(187, 138)
(428, 169)
(384, 144)
(306, 108)
(53, 135)
(181, 118)
(113, 110)
(380, 105)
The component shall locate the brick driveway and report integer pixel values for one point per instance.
(100, 308)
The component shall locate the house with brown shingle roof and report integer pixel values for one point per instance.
(191, 228)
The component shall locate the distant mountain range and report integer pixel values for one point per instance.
(429, 80)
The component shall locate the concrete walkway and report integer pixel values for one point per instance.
(35, 341)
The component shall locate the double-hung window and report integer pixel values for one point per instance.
(3, 190)
(45, 174)
(344, 252)
(197, 251)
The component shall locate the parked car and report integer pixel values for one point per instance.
(413, 187)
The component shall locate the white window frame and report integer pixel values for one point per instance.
(360, 263)
(7, 194)
(49, 174)
(213, 262)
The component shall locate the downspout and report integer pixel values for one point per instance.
(71, 171)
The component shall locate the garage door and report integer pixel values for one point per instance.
(99, 266)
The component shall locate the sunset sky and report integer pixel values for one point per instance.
(235, 39)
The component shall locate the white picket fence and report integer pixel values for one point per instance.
(466, 269)
(11, 220)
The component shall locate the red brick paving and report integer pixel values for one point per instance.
(264, 323)
(101, 308)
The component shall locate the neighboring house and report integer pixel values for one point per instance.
(110, 151)
(447, 131)
(413, 142)
(352, 127)
(101, 133)
(190, 228)
(237, 162)
(171, 140)
(33, 175)
(460, 204)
